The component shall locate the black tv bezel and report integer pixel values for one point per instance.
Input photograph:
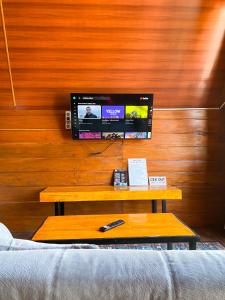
(106, 94)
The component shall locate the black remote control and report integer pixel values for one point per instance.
(111, 225)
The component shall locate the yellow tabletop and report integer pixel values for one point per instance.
(108, 193)
(87, 227)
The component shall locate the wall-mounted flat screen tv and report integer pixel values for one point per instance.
(111, 116)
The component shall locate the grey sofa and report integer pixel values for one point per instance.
(89, 274)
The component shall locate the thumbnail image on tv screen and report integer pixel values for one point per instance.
(111, 116)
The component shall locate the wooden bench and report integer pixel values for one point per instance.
(60, 195)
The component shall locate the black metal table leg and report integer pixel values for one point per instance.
(192, 245)
(59, 208)
(169, 246)
(164, 206)
(154, 206)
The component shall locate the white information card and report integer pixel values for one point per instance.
(159, 181)
(137, 168)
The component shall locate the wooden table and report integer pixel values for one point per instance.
(59, 195)
(138, 228)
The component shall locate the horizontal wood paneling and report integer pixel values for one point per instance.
(56, 136)
(192, 4)
(58, 47)
(5, 87)
(69, 165)
(78, 177)
(37, 152)
(119, 46)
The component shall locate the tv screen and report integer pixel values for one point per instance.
(111, 116)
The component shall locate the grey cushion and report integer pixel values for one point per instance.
(7, 242)
(112, 275)
(5, 233)
(19, 244)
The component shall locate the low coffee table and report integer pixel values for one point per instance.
(138, 228)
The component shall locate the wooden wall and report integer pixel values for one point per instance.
(5, 87)
(174, 49)
(37, 152)
(167, 47)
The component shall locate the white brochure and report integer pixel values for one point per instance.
(137, 168)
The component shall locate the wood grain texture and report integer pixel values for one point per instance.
(36, 152)
(107, 193)
(136, 225)
(58, 47)
(5, 87)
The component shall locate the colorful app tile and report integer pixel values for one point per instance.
(90, 135)
(112, 112)
(112, 135)
(135, 135)
(136, 112)
(89, 111)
